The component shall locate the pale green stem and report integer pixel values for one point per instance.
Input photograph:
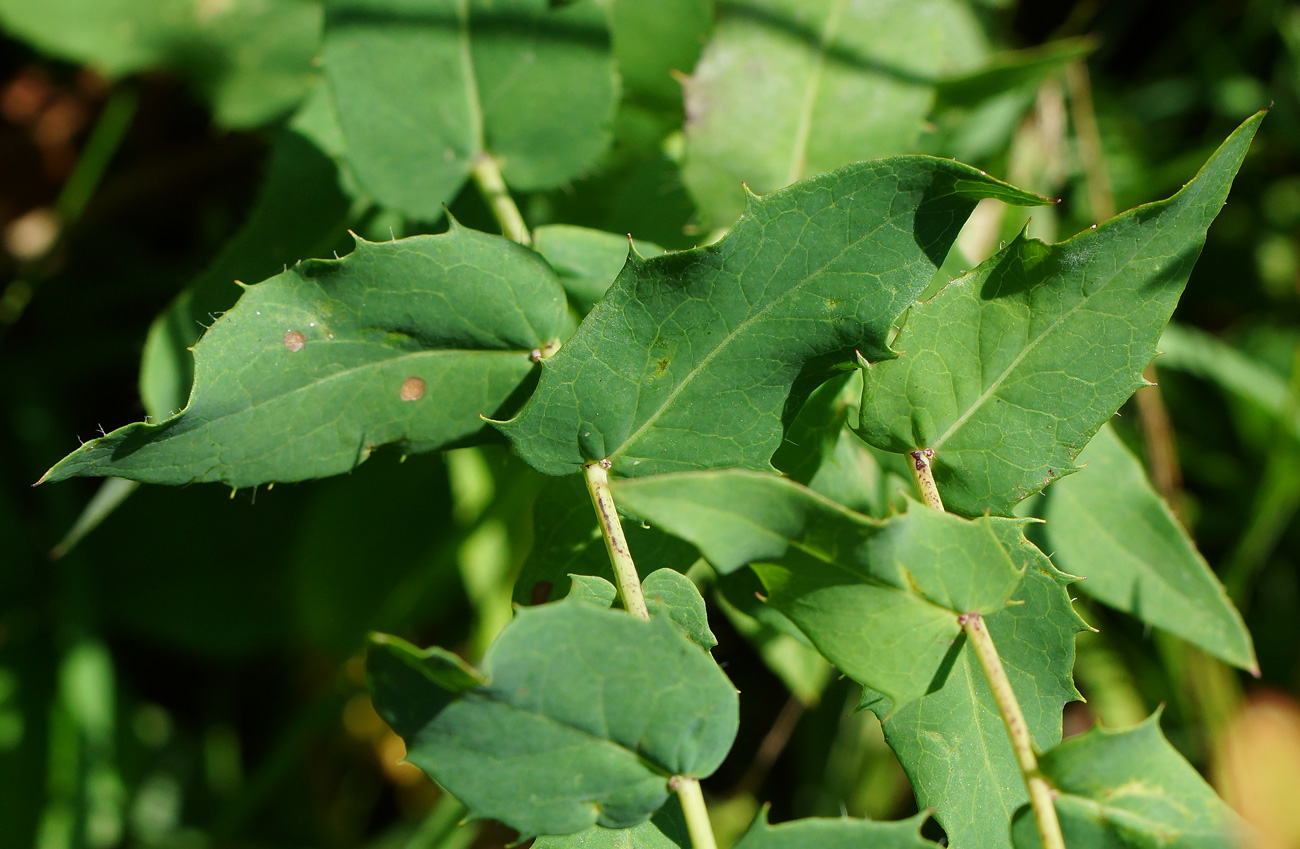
(1040, 794)
(487, 176)
(697, 814)
(923, 473)
(629, 584)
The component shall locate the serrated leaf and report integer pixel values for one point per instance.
(699, 358)
(585, 714)
(586, 261)
(300, 213)
(407, 341)
(665, 830)
(1010, 370)
(786, 89)
(952, 742)
(251, 58)
(1130, 789)
(879, 599)
(567, 542)
(835, 833)
(1107, 524)
(424, 88)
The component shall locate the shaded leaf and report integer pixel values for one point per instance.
(665, 830)
(787, 89)
(423, 89)
(586, 261)
(1107, 524)
(655, 43)
(835, 833)
(699, 358)
(879, 599)
(406, 341)
(1010, 370)
(675, 595)
(585, 714)
(1131, 788)
(952, 742)
(251, 58)
(567, 542)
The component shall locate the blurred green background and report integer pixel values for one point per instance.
(188, 674)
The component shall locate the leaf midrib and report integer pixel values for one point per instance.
(799, 151)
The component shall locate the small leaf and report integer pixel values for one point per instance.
(952, 742)
(1130, 789)
(835, 833)
(1010, 370)
(586, 261)
(699, 358)
(583, 716)
(407, 341)
(589, 589)
(787, 89)
(424, 89)
(675, 595)
(1108, 525)
(879, 599)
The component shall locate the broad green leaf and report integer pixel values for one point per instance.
(579, 717)
(952, 742)
(665, 830)
(699, 358)
(300, 213)
(1107, 524)
(1010, 370)
(586, 260)
(424, 88)
(879, 599)
(407, 341)
(1130, 789)
(835, 833)
(655, 42)
(567, 542)
(251, 58)
(788, 89)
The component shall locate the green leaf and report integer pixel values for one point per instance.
(251, 58)
(425, 87)
(879, 599)
(581, 717)
(673, 594)
(699, 358)
(1107, 524)
(952, 743)
(835, 833)
(656, 42)
(300, 213)
(586, 260)
(589, 589)
(567, 542)
(406, 341)
(787, 89)
(665, 830)
(1010, 370)
(1130, 788)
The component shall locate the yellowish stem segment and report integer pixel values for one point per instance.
(923, 473)
(487, 176)
(629, 584)
(697, 815)
(1040, 794)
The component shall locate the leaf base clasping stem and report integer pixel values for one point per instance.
(1040, 794)
(629, 583)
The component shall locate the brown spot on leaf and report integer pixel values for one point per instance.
(293, 340)
(412, 389)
